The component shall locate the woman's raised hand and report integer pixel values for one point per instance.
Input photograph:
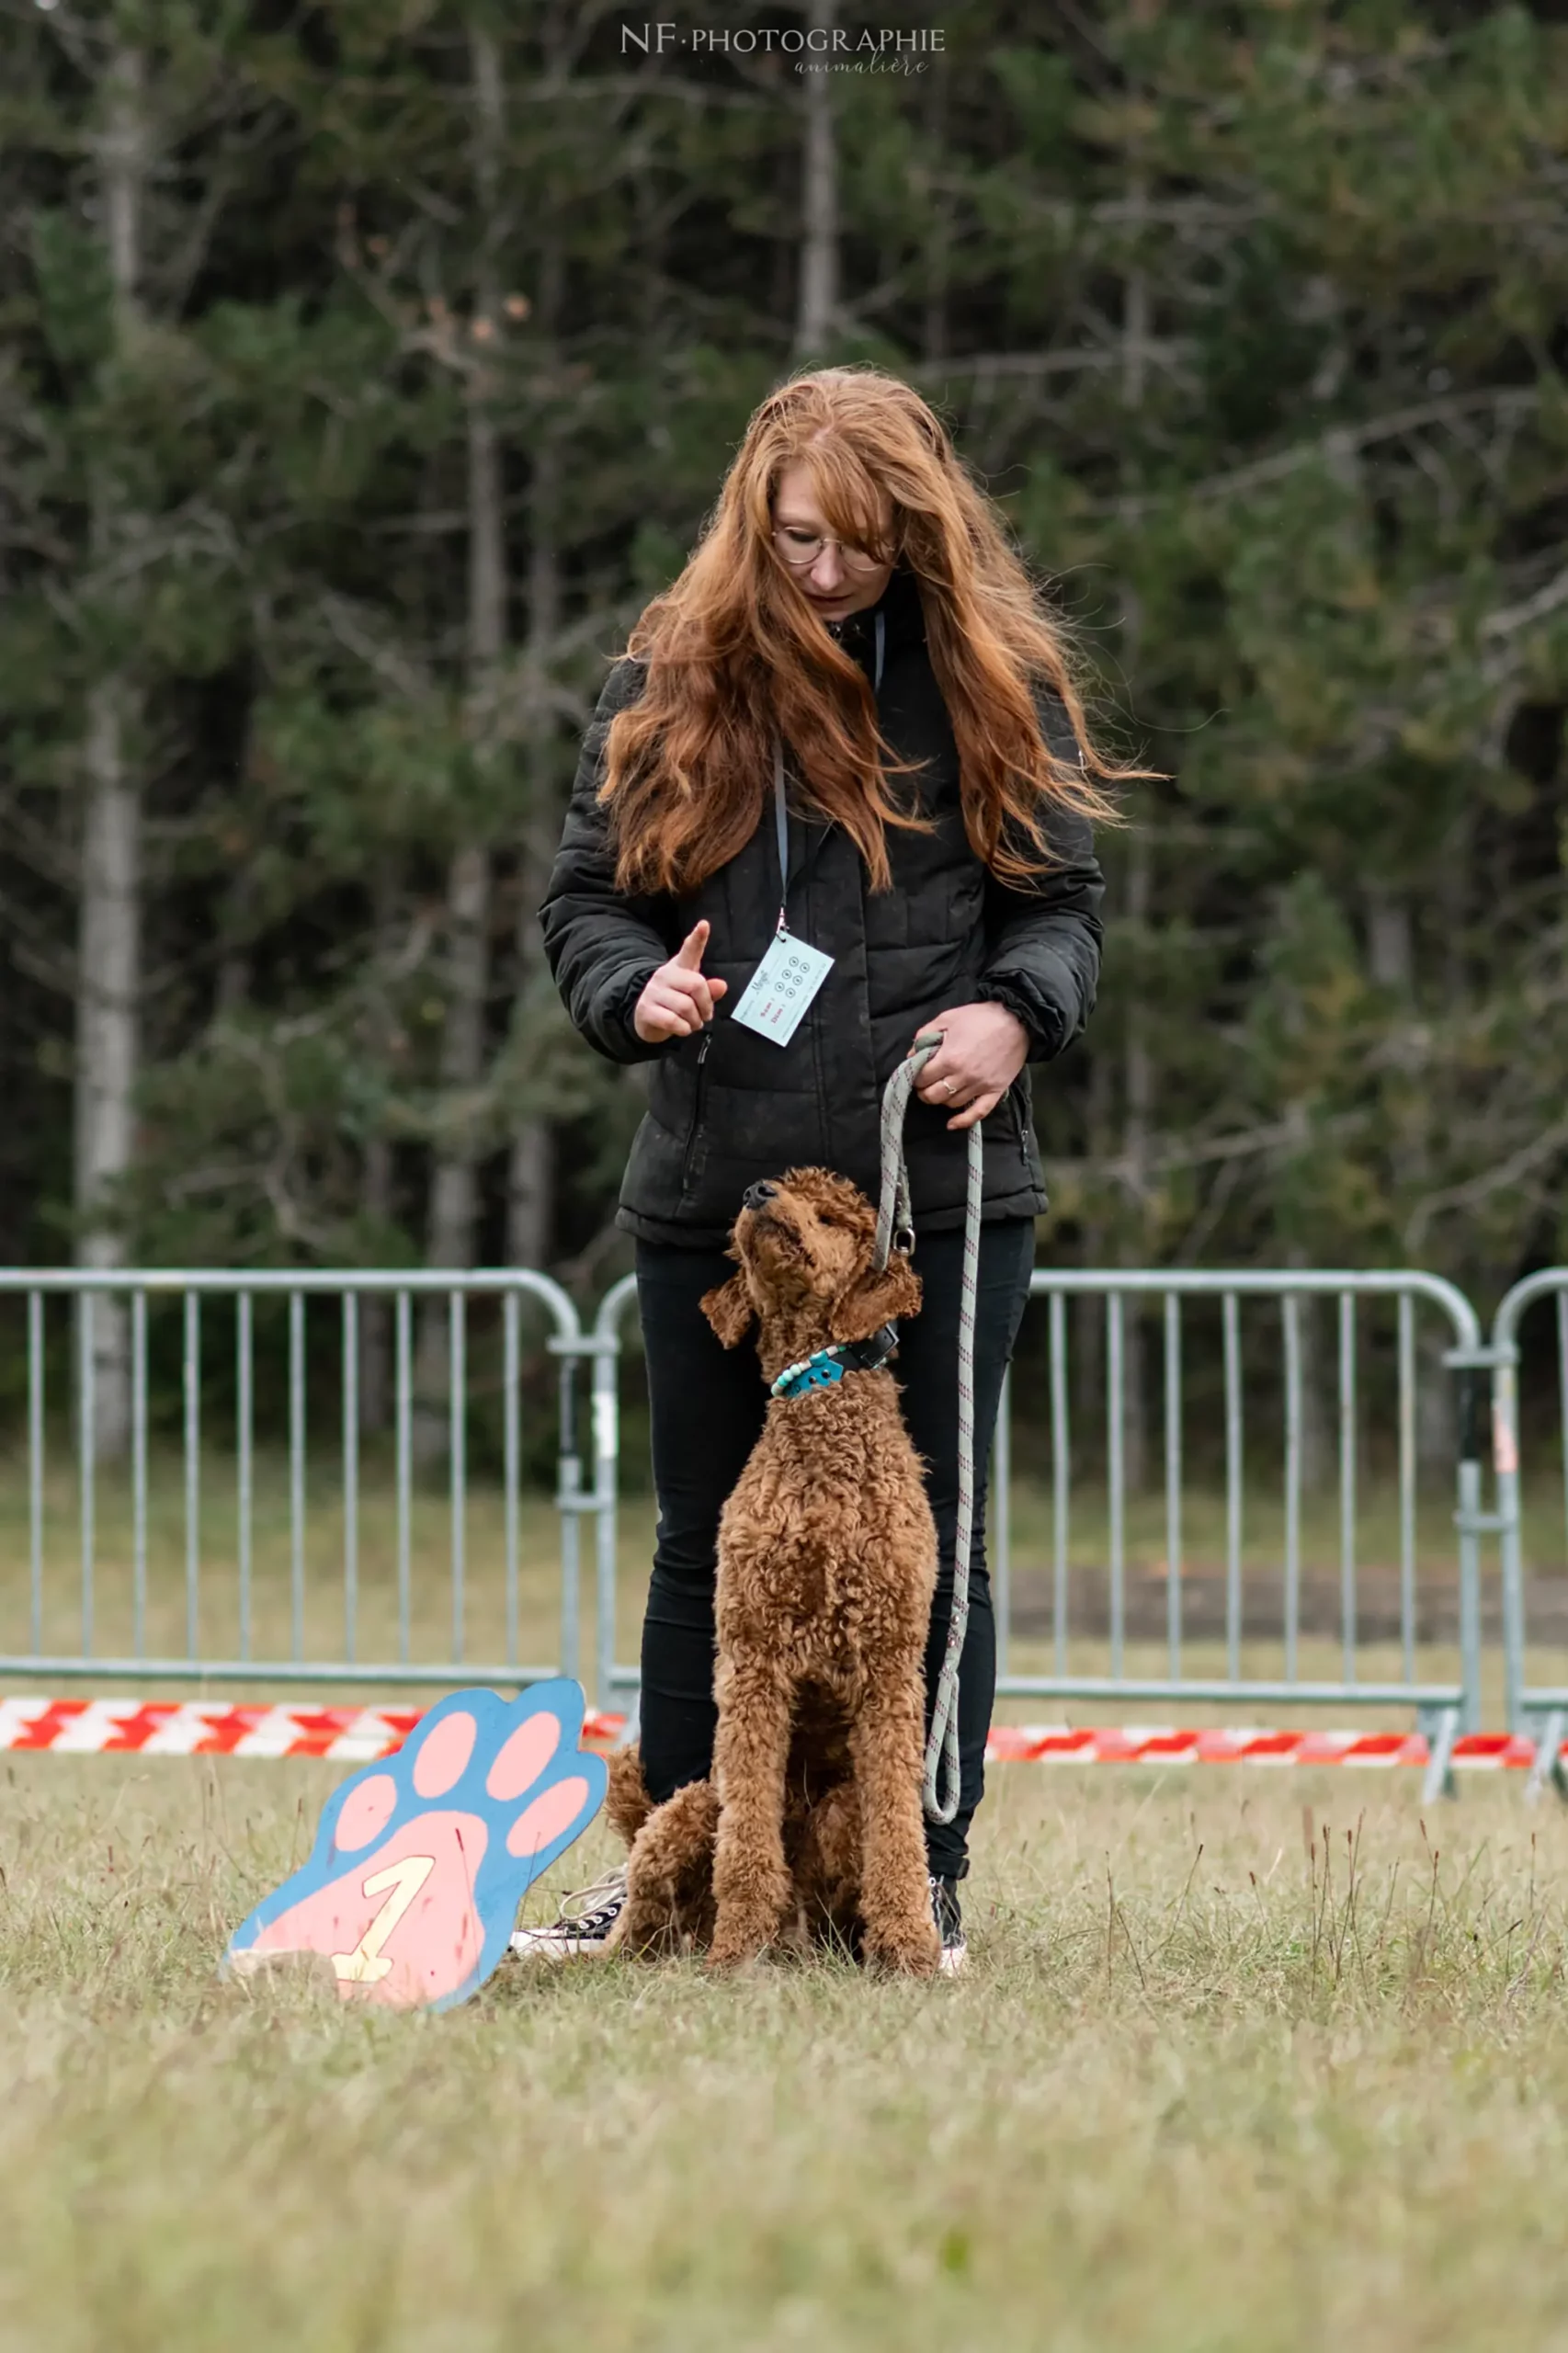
(678, 998)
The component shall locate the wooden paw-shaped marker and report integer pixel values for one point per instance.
(420, 1861)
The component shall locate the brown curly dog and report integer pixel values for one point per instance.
(827, 1555)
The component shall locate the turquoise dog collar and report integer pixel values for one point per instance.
(826, 1367)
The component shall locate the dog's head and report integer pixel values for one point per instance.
(804, 1244)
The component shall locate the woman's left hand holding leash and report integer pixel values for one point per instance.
(983, 1050)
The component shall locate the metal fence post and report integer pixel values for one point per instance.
(568, 1499)
(1506, 1473)
(1469, 1423)
(1540, 1708)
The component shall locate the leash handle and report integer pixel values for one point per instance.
(895, 1217)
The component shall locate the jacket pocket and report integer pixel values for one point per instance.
(694, 1125)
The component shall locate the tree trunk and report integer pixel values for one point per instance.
(1390, 954)
(817, 311)
(1137, 1069)
(375, 1313)
(377, 1172)
(1391, 962)
(531, 1163)
(110, 960)
(110, 914)
(934, 334)
(454, 1188)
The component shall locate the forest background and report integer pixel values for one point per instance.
(366, 367)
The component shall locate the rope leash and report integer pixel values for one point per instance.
(894, 1228)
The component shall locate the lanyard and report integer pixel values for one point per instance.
(781, 822)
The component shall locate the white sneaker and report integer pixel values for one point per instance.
(945, 1911)
(581, 1929)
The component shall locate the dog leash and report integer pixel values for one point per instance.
(895, 1229)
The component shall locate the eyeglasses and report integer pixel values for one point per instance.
(799, 550)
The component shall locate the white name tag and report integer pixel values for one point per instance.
(781, 987)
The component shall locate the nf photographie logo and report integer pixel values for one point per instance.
(875, 50)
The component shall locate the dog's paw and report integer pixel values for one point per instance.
(644, 1937)
(915, 1951)
(735, 1959)
(412, 1885)
(738, 1947)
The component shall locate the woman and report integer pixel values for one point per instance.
(854, 601)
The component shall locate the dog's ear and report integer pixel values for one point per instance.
(873, 1300)
(729, 1310)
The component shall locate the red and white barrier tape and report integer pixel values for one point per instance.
(1235, 1744)
(358, 1735)
(200, 1728)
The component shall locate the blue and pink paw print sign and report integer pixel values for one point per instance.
(420, 1860)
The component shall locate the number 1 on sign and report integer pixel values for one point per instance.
(400, 1882)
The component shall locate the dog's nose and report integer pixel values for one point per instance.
(755, 1195)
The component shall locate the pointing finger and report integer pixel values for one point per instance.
(694, 991)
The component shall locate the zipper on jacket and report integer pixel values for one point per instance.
(1016, 1099)
(694, 1127)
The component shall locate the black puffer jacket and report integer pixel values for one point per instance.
(726, 1107)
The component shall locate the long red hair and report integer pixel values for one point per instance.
(735, 655)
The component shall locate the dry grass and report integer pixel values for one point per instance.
(1202, 2089)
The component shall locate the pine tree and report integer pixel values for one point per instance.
(364, 379)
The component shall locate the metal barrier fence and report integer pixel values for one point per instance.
(1534, 1707)
(1446, 1705)
(1113, 1656)
(271, 1523)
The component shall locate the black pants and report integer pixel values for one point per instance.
(708, 1405)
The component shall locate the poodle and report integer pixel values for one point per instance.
(827, 1555)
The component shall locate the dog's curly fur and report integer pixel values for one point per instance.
(827, 1553)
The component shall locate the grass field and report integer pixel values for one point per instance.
(1216, 2079)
